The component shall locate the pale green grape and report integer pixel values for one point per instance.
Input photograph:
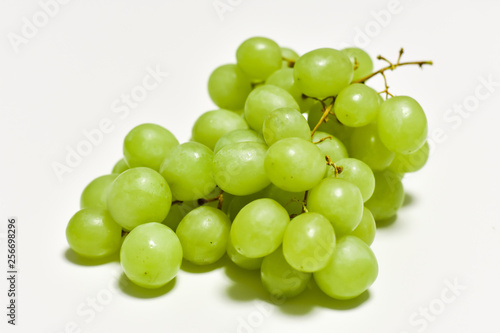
(339, 201)
(241, 135)
(323, 72)
(258, 228)
(362, 59)
(295, 164)
(402, 124)
(203, 234)
(366, 228)
(93, 233)
(151, 255)
(120, 166)
(283, 78)
(356, 172)
(138, 196)
(188, 171)
(238, 202)
(177, 212)
(285, 123)
(281, 279)
(367, 147)
(291, 201)
(264, 100)
(259, 57)
(147, 145)
(356, 105)
(288, 54)
(332, 126)
(95, 193)
(212, 125)
(309, 242)
(352, 269)
(241, 260)
(229, 87)
(330, 146)
(387, 197)
(411, 162)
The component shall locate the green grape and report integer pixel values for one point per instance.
(242, 135)
(288, 54)
(356, 105)
(339, 201)
(361, 59)
(366, 228)
(229, 87)
(332, 126)
(330, 146)
(203, 234)
(264, 100)
(138, 196)
(323, 72)
(238, 202)
(188, 171)
(309, 242)
(294, 164)
(291, 201)
(259, 57)
(281, 279)
(147, 145)
(120, 166)
(258, 228)
(367, 147)
(93, 233)
(402, 124)
(212, 125)
(151, 255)
(283, 78)
(387, 197)
(352, 269)
(95, 193)
(285, 123)
(411, 162)
(356, 172)
(239, 168)
(241, 260)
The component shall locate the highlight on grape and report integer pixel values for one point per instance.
(289, 176)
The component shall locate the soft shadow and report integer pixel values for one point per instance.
(189, 267)
(387, 222)
(131, 289)
(409, 199)
(247, 285)
(77, 259)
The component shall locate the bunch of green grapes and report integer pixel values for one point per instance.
(289, 176)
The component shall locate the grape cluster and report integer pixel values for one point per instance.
(288, 176)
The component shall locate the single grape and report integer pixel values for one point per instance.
(280, 279)
(241, 135)
(411, 162)
(366, 228)
(332, 126)
(402, 124)
(288, 54)
(323, 72)
(138, 196)
(285, 123)
(356, 105)
(147, 145)
(240, 260)
(95, 193)
(283, 78)
(120, 166)
(309, 242)
(356, 172)
(238, 202)
(387, 197)
(361, 62)
(151, 255)
(212, 125)
(258, 228)
(229, 87)
(352, 269)
(93, 233)
(330, 146)
(367, 147)
(259, 57)
(295, 164)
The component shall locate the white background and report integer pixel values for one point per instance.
(64, 79)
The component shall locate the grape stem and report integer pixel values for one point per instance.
(304, 202)
(324, 118)
(338, 169)
(290, 62)
(218, 198)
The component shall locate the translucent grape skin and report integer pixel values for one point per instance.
(356, 105)
(330, 146)
(339, 201)
(411, 162)
(258, 228)
(402, 124)
(367, 147)
(240, 260)
(138, 196)
(188, 171)
(120, 166)
(367, 228)
(259, 57)
(212, 125)
(95, 193)
(229, 87)
(323, 72)
(147, 145)
(285, 123)
(309, 241)
(280, 279)
(242, 135)
(239, 168)
(352, 269)
(93, 233)
(151, 255)
(332, 126)
(356, 172)
(388, 196)
(203, 234)
(294, 164)
(283, 78)
(361, 59)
